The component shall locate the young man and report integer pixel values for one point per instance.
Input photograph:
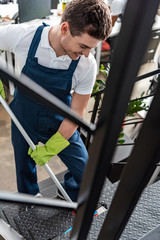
(59, 59)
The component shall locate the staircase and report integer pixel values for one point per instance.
(45, 223)
(38, 223)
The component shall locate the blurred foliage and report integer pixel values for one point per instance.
(99, 83)
(134, 106)
(1, 51)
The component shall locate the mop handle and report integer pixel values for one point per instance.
(32, 145)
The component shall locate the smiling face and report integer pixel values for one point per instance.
(76, 46)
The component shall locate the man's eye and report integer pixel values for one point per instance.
(83, 47)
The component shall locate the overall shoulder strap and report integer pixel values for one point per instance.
(73, 65)
(35, 41)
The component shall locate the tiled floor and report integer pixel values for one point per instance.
(7, 167)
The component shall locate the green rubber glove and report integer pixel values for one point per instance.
(2, 90)
(42, 154)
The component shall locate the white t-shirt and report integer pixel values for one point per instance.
(17, 39)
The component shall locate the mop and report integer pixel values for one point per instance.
(32, 145)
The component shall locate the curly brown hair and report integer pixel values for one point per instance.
(88, 16)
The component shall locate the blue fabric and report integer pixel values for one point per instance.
(41, 123)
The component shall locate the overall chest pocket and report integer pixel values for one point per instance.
(49, 78)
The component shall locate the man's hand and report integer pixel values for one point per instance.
(2, 90)
(42, 154)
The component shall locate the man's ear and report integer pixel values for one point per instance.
(65, 28)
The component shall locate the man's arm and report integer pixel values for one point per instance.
(78, 104)
(58, 142)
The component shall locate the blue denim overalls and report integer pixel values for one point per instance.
(41, 123)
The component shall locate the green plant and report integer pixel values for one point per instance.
(136, 106)
(1, 51)
(99, 83)
(104, 70)
(121, 137)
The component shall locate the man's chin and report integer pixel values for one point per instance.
(74, 56)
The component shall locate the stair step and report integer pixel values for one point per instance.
(2, 216)
(37, 223)
(94, 230)
(48, 188)
(10, 212)
(152, 235)
(43, 223)
(8, 233)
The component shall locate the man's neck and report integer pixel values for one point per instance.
(55, 40)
